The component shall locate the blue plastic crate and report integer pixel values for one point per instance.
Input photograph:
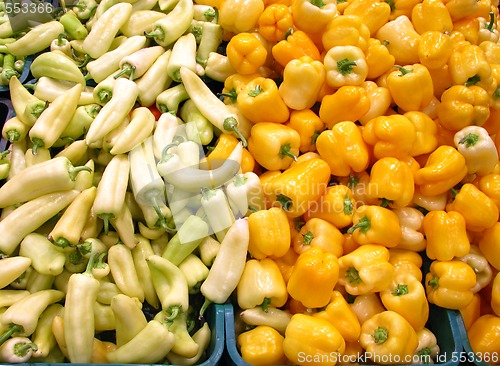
(468, 356)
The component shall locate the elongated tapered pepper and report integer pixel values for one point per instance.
(168, 29)
(154, 81)
(245, 193)
(79, 124)
(81, 295)
(36, 39)
(53, 120)
(228, 265)
(129, 318)
(184, 344)
(381, 334)
(70, 225)
(136, 64)
(209, 105)
(17, 350)
(14, 129)
(140, 127)
(140, 21)
(43, 336)
(21, 98)
(56, 65)
(366, 269)
(12, 268)
(110, 195)
(183, 55)
(124, 272)
(215, 201)
(45, 258)
(26, 312)
(448, 284)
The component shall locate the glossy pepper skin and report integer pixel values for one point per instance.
(308, 124)
(401, 38)
(378, 58)
(299, 187)
(372, 13)
(375, 225)
(446, 235)
(261, 284)
(343, 148)
(478, 148)
(274, 22)
(484, 335)
(342, 316)
(347, 103)
(295, 45)
(313, 277)
(391, 181)
(434, 49)
(275, 239)
(336, 205)
(246, 53)
(320, 233)
(463, 106)
(237, 16)
(390, 135)
(389, 338)
(307, 335)
(426, 140)
(468, 65)
(345, 65)
(444, 168)
(346, 30)
(262, 345)
(470, 199)
(260, 101)
(489, 242)
(431, 15)
(312, 17)
(365, 270)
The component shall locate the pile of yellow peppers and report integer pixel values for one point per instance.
(375, 135)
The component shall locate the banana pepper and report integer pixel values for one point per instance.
(365, 270)
(449, 284)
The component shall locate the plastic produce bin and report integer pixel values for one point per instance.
(442, 322)
(468, 356)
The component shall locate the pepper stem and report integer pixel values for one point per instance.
(155, 33)
(74, 170)
(363, 225)
(22, 348)
(61, 242)
(85, 61)
(434, 282)
(265, 304)
(231, 124)
(285, 151)
(231, 95)
(91, 263)
(173, 312)
(204, 308)
(347, 205)
(308, 237)
(469, 140)
(13, 135)
(380, 335)
(400, 290)
(352, 275)
(403, 70)
(37, 143)
(385, 202)
(13, 329)
(284, 201)
(104, 95)
(345, 66)
(126, 70)
(106, 218)
(491, 23)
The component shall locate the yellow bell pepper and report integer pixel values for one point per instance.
(495, 294)
(238, 16)
(388, 338)
(411, 87)
(312, 341)
(261, 284)
(312, 16)
(441, 79)
(286, 262)
(494, 93)
(346, 30)
(471, 312)
(233, 85)
(295, 45)
(463, 106)
(336, 206)
(345, 65)
(431, 15)
(390, 135)
(444, 168)
(343, 149)
(245, 53)
(366, 306)
(406, 296)
(484, 338)
(489, 244)
(340, 314)
(262, 345)
(468, 65)
(459, 9)
(274, 146)
(373, 13)
(380, 101)
(358, 183)
(347, 103)
(314, 277)
(303, 79)
(391, 181)
(481, 267)
(269, 233)
(434, 49)
(320, 233)
(260, 101)
(448, 284)
(469, 27)
(309, 126)
(402, 8)
(299, 187)
(478, 149)
(491, 51)
(478, 210)
(224, 145)
(365, 270)
(378, 58)
(375, 225)
(490, 185)
(406, 262)
(446, 235)
(411, 221)
(274, 22)
(426, 133)
(401, 38)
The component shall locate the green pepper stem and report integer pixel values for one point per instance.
(284, 201)
(204, 308)
(231, 124)
(363, 225)
(74, 170)
(285, 151)
(352, 275)
(308, 238)
(403, 70)
(265, 304)
(22, 348)
(385, 202)
(104, 95)
(231, 95)
(345, 66)
(61, 242)
(380, 335)
(347, 205)
(492, 22)
(469, 140)
(126, 70)
(85, 61)
(173, 312)
(13, 329)
(319, 3)
(91, 263)
(400, 290)
(13, 135)
(156, 33)
(106, 218)
(37, 143)
(434, 282)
